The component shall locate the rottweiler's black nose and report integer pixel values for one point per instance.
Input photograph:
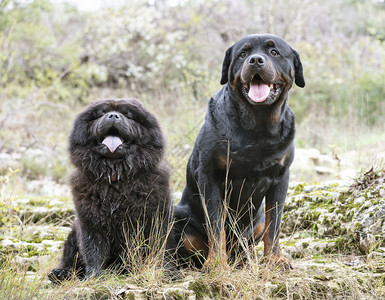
(257, 60)
(113, 115)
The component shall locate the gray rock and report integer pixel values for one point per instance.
(178, 293)
(371, 219)
(8, 243)
(54, 246)
(333, 210)
(48, 188)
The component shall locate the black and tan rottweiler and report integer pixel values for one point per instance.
(238, 172)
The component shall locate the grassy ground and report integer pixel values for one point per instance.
(326, 265)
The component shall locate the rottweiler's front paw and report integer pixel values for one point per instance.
(215, 262)
(280, 262)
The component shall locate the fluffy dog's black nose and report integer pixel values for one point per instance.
(113, 116)
(257, 60)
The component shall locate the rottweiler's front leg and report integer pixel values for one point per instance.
(212, 202)
(275, 200)
(217, 255)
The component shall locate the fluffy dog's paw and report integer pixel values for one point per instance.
(58, 275)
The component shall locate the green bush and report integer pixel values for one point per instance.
(55, 59)
(7, 213)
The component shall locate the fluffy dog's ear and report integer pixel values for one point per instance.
(299, 79)
(226, 65)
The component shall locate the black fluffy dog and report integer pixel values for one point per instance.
(242, 155)
(120, 185)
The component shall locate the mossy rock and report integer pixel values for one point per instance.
(203, 290)
(330, 210)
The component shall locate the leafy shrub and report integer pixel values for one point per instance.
(6, 210)
(54, 59)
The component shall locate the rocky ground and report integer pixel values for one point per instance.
(333, 233)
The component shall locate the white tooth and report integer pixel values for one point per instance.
(271, 85)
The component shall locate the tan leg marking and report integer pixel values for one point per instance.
(217, 256)
(194, 244)
(258, 231)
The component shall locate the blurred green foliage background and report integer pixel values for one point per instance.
(55, 58)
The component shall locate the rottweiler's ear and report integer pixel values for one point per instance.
(299, 79)
(226, 65)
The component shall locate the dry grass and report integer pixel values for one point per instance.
(339, 275)
(315, 277)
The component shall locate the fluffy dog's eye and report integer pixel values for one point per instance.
(274, 52)
(97, 115)
(101, 114)
(242, 55)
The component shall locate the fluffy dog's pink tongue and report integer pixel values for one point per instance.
(259, 91)
(112, 142)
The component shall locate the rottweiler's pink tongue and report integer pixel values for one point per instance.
(259, 91)
(112, 142)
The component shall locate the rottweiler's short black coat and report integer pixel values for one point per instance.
(242, 155)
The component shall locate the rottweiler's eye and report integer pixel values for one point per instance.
(274, 52)
(242, 55)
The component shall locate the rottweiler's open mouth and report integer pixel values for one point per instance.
(112, 139)
(257, 91)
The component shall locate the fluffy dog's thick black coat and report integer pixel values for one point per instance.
(120, 185)
(242, 155)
